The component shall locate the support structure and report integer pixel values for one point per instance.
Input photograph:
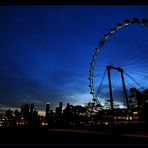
(124, 88)
(110, 85)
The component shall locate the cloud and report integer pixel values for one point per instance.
(14, 91)
(16, 88)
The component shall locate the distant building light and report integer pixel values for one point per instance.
(135, 113)
(43, 123)
(106, 123)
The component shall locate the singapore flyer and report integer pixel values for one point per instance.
(120, 63)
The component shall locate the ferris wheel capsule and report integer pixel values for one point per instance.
(135, 20)
(127, 22)
(106, 36)
(102, 42)
(145, 22)
(94, 99)
(97, 49)
(92, 92)
(119, 25)
(90, 78)
(112, 30)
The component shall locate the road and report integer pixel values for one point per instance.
(100, 137)
(69, 136)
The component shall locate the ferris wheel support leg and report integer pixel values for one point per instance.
(124, 88)
(110, 87)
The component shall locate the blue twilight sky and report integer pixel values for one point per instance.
(45, 51)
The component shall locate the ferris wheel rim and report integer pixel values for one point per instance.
(118, 27)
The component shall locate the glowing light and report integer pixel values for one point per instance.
(106, 123)
(135, 113)
(41, 113)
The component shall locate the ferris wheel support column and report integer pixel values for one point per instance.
(110, 87)
(124, 88)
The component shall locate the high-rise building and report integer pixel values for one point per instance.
(47, 109)
(68, 106)
(22, 109)
(60, 106)
(26, 110)
(31, 108)
(58, 111)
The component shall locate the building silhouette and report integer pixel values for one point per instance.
(61, 107)
(47, 110)
(31, 108)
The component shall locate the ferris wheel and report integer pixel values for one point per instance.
(95, 77)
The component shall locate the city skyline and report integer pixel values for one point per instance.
(46, 51)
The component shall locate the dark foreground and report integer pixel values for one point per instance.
(69, 136)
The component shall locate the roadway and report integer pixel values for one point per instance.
(69, 136)
(100, 137)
